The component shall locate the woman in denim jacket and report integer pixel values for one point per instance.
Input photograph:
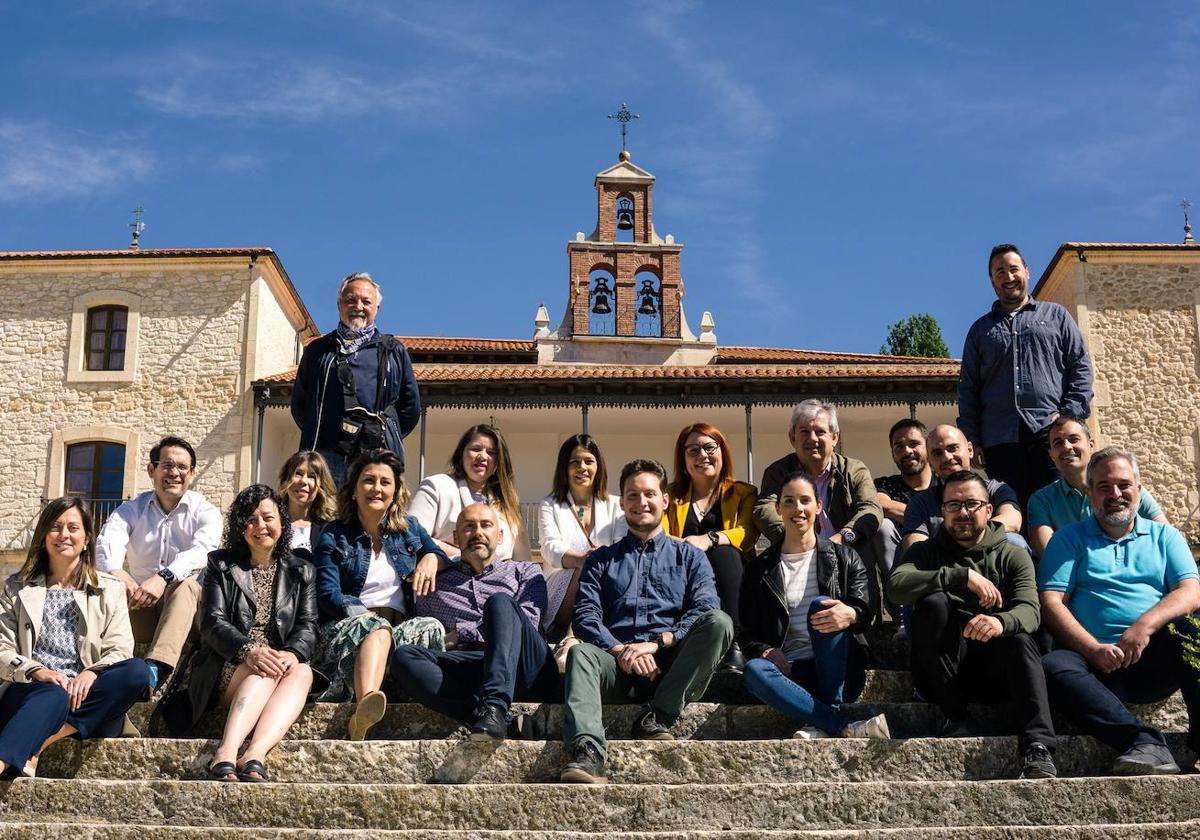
(369, 565)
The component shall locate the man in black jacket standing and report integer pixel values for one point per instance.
(975, 603)
(355, 389)
(803, 603)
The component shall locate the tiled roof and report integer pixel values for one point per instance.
(785, 355)
(441, 373)
(129, 252)
(427, 343)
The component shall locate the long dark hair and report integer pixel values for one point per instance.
(503, 484)
(562, 485)
(239, 514)
(395, 518)
(37, 561)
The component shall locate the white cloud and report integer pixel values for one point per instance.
(40, 162)
(198, 86)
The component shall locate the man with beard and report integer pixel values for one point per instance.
(1066, 500)
(1112, 588)
(495, 653)
(893, 492)
(649, 624)
(355, 389)
(950, 451)
(975, 609)
(1023, 363)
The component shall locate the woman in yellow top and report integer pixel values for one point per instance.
(714, 513)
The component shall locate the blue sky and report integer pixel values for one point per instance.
(830, 168)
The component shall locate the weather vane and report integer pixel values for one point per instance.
(137, 226)
(1188, 239)
(624, 117)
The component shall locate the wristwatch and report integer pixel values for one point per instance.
(715, 538)
(167, 575)
(849, 536)
(657, 638)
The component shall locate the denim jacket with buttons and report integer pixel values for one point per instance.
(342, 557)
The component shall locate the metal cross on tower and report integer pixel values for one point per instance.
(137, 226)
(1187, 224)
(624, 117)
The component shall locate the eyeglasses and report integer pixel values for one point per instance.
(168, 467)
(969, 505)
(709, 449)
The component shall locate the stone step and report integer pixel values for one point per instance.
(609, 808)
(707, 721)
(1099, 831)
(630, 762)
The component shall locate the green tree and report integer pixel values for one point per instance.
(916, 335)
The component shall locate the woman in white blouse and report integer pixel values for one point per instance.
(578, 516)
(480, 471)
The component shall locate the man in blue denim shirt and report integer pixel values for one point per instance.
(1023, 364)
(649, 623)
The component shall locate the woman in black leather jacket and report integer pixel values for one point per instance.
(804, 607)
(258, 628)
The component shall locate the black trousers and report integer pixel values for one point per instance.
(1025, 466)
(951, 671)
(727, 565)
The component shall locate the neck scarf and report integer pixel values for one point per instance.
(350, 341)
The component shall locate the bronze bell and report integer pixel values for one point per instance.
(624, 214)
(601, 306)
(648, 294)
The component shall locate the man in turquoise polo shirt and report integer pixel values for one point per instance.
(1110, 586)
(1065, 501)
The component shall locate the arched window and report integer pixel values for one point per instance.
(647, 302)
(625, 219)
(96, 471)
(106, 330)
(602, 303)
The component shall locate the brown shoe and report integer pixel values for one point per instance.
(367, 713)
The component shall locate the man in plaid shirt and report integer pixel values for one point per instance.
(495, 652)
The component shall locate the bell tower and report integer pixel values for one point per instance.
(624, 278)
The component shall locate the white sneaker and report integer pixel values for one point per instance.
(876, 727)
(809, 733)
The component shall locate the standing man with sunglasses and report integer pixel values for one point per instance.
(355, 390)
(975, 609)
(157, 543)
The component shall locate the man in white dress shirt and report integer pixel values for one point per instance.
(156, 544)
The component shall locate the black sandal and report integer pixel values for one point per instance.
(253, 766)
(221, 771)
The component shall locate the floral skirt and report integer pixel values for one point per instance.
(338, 647)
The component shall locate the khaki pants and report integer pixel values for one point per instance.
(168, 624)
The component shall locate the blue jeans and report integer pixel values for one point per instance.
(32, 712)
(514, 663)
(811, 692)
(1094, 701)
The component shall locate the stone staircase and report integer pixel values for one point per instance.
(735, 773)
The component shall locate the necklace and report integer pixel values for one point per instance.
(581, 512)
(702, 510)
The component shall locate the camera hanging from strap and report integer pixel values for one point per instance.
(363, 430)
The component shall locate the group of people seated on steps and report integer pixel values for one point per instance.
(309, 592)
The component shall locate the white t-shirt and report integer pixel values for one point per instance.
(382, 587)
(302, 536)
(800, 590)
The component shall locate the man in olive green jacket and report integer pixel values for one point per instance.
(850, 514)
(975, 609)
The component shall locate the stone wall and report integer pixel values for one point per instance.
(189, 379)
(1143, 327)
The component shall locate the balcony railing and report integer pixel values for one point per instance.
(101, 509)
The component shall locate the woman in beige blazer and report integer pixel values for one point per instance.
(66, 647)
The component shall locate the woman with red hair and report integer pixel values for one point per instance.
(714, 513)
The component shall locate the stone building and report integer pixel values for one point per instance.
(104, 352)
(1138, 306)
